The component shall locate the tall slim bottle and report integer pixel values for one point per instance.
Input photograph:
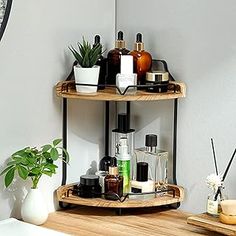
(123, 162)
(142, 60)
(113, 58)
(102, 63)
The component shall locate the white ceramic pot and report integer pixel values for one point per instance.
(34, 209)
(86, 76)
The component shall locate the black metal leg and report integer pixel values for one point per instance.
(119, 211)
(64, 136)
(175, 140)
(107, 111)
(64, 144)
(128, 112)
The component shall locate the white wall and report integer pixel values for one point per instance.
(33, 58)
(197, 39)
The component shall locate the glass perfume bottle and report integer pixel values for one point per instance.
(113, 184)
(113, 58)
(142, 184)
(157, 161)
(142, 60)
(102, 63)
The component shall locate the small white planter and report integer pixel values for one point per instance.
(86, 76)
(34, 209)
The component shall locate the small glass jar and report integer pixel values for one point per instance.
(213, 201)
(89, 186)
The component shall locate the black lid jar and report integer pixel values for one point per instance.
(89, 186)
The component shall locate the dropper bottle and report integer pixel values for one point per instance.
(142, 60)
(102, 63)
(114, 56)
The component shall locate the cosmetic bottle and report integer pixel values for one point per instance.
(126, 77)
(142, 60)
(142, 184)
(113, 184)
(157, 161)
(122, 131)
(123, 161)
(102, 63)
(113, 58)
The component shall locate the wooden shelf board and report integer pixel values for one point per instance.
(109, 94)
(128, 203)
(211, 223)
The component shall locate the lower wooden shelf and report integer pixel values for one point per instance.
(64, 195)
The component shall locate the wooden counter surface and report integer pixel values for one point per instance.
(86, 221)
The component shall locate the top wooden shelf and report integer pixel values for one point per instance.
(66, 89)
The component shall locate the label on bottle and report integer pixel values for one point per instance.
(136, 190)
(124, 170)
(212, 207)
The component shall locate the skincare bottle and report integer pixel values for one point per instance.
(113, 58)
(126, 77)
(123, 161)
(157, 160)
(113, 184)
(102, 63)
(123, 130)
(142, 184)
(142, 60)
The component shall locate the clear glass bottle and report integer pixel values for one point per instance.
(157, 161)
(142, 184)
(213, 201)
(113, 184)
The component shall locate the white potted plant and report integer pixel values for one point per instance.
(86, 71)
(31, 163)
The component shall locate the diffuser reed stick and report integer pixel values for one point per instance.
(226, 172)
(214, 155)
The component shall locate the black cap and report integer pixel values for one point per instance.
(142, 171)
(151, 140)
(89, 180)
(97, 39)
(120, 35)
(113, 162)
(138, 38)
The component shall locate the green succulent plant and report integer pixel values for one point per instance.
(87, 55)
(32, 162)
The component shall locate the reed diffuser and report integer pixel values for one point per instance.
(216, 183)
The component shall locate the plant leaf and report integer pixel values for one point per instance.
(46, 147)
(9, 177)
(56, 141)
(49, 173)
(35, 171)
(7, 169)
(23, 172)
(54, 154)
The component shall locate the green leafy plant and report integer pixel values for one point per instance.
(32, 162)
(87, 55)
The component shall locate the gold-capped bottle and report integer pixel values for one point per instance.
(142, 60)
(114, 56)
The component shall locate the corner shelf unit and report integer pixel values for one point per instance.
(66, 90)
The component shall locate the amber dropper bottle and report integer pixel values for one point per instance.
(114, 56)
(102, 63)
(142, 60)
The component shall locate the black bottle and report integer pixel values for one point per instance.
(102, 63)
(113, 58)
